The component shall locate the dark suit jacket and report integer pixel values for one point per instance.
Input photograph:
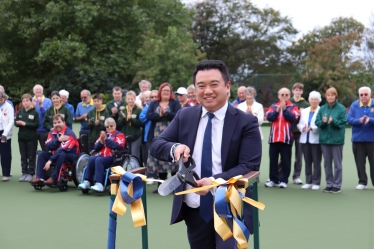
(241, 148)
(174, 107)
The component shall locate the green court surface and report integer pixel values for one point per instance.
(293, 217)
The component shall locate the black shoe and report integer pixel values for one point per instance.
(155, 191)
(335, 190)
(327, 190)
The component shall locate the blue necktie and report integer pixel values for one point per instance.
(206, 202)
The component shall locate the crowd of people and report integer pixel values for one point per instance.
(316, 131)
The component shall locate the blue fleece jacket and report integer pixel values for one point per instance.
(146, 122)
(41, 110)
(361, 132)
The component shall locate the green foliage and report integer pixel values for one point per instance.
(42, 38)
(171, 58)
(248, 39)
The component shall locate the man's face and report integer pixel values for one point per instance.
(241, 93)
(98, 103)
(365, 96)
(144, 87)
(85, 97)
(38, 91)
(284, 94)
(64, 99)
(182, 97)
(192, 94)
(58, 124)
(153, 96)
(147, 97)
(26, 103)
(297, 92)
(211, 90)
(117, 96)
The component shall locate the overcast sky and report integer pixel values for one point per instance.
(306, 15)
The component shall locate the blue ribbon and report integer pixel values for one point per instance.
(137, 187)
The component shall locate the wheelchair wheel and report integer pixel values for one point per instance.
(130, 162)
(63, 186)
(77, 169)
(38, 187)
(85, 191)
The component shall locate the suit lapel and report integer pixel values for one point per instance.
(231, 118)
(194, 119)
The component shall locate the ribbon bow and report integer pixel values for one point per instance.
(228, 217)
(130, 192)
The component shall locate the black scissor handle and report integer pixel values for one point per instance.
(191, 178)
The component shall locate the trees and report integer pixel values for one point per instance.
(41, 39)
(248, 39)
(326, 58)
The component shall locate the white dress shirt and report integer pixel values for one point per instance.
(193, 200)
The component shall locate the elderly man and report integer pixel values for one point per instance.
(41, 104)
(144, 85)
(117, 104)
(241, 96)
(108, 141)
(361, 118)
(282, 116)
(182, 96)
(81, 114)
(192, 100)
(64, 95)
(63, 147)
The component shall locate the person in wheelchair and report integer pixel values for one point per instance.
(64, 148)
(108, 141)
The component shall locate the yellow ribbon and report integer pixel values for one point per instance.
(136, 207)
(234, 199)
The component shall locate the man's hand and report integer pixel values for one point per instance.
(182, 150)
(367, 119)
(283, 105)
(40, 102)
(203, 182)
(362, 119)
(114, 110)
(63, 138)
(84, 116)
(47, 165)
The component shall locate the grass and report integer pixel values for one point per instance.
(293, 218)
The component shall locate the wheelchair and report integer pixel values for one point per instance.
(65, 175)
(120, 158)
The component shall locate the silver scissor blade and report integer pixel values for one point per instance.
(169, 185)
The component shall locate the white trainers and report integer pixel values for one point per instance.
(98, 187)
(23, 178)
(28, 178)
(283, 185)
(270, 184)
(307, 186)
(84, 185)
(297, 181)
(315, 187)
(5, 178)
(361, 187)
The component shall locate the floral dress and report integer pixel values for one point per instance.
(155, 165)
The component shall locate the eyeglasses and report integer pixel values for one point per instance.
(84, 97)
(363, 94)
(107, 126)
(153, 97)
(284, 94)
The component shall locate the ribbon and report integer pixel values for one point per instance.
(129, 191)
(228, 217)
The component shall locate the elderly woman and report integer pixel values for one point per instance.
(131, 125)
(6, 125)
(252, 107)
(309, 140)
(109, 140)
(192, 100)
(161, 112)
(331, 120)
(57, 107)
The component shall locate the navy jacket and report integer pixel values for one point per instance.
(241, 148)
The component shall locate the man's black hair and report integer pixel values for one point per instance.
(212, 64)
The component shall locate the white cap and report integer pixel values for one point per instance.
(181, 90)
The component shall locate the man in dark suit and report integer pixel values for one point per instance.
(223, 141)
